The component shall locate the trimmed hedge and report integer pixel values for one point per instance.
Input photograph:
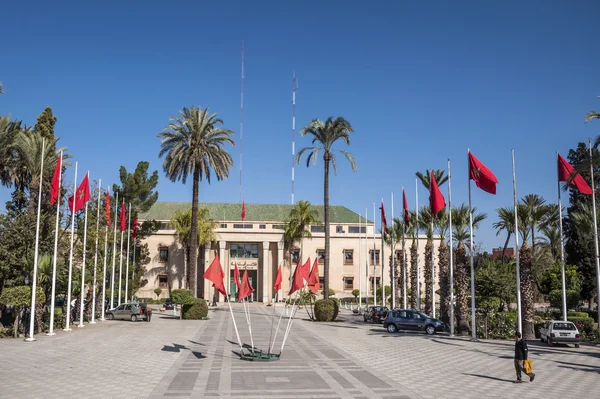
(183, 297)
(196, 311)
(584, 324)
(326, 310)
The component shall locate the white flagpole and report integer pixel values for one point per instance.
(393, 262)
(359, 263)
(104, 274)
(418, 287)
(366, 262)
(127, 263)
(96, 254)
(595, 225)
(451, 251)
(121, 262)
(71, 254)
(432, 270)
(374, 258)
(133, 262)
(81, 296)
(520, 320)
(472, 250)
(58, 200)
(403, 254)
(114, 256)
(382, 258)
(37, 246)
(562, 246)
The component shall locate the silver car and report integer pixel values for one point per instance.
(126, 311)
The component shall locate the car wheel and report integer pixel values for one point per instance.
(576, 345)
(541, 338)
(133, 317)
(392, 328)
(110, 316)
(430, 330)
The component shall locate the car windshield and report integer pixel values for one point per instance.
(423, 315)
(564, 326)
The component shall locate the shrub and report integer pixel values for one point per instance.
(500, 325)
(356, 293)
(573, 299)
(577, 314)
(196, 311)
(584, 324)
(158, 291)
(593, 314)
(183, 297)
(326, 310)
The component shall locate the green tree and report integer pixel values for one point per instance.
(193, 143)
(506, 222)
(496, 279)
(552, 279)
(590, 116)
(45, 124)
(137, 188)
(301, 217)
(325, 135)
(9, 130)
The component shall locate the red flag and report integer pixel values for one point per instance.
(278, 279)
(83, 195)
(107, 208)
(246, 289)
(122, 227)
(297, 281)
(305, 268)
(383, 221)
(134, 234)
(313, 279)
(243, 211)
(236, 277)
(406, 211)
(481, 175)
(215, 274)
(55, 191)
(436, 199)
(566, 173)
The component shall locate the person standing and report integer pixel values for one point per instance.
(521, 352)
(214, 302)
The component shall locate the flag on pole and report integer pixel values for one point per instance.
(123, 221)
(305, 269)
(107, 208)
(278, 278)
(313, 279)
(406, 211)
(243, 211)
(134, 233)
(82, 194)
(383, 220)
(568, 174)
(297, 281)
(246, 288)
(215, 274)
(236, 277)
(55, 191)
(481, 175)
(436, 198)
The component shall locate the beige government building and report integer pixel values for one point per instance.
(256, 244)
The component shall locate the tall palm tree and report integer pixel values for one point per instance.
(193, 143)
(9, 131)
(325, 135)
(441, 225)
(460, 225)
(302, 216)
(538, 212)
(1, 88)
(506, 222)
(412, 232)
(395, 235)
(593, 115)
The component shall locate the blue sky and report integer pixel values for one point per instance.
(420, 83)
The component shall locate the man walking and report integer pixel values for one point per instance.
(520, 357)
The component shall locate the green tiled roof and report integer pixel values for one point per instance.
(254, 212)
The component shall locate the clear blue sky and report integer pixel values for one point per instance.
(419, 83)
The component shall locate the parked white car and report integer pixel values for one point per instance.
(563, 332)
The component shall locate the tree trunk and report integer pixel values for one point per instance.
(185, 264)
(414, 272)
(397, 279)
(444, 278)
(462, 289)
(326, 209)
(428, 277)
(194, 233)
(527, 291)
(505, 246)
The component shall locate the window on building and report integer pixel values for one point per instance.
(278, 226)
(371, 282)
(163, 281)
(348, 283)
(223, 225)
(242, 226)
(357, 229)
(317, 229)
(339, 229)
(243, 251)
(163, 254)
(262, 226)
(166, 226)
(321, 255)
(376, 254)
(348, 257)
(295, 256)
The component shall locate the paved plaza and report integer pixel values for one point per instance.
(169, 358)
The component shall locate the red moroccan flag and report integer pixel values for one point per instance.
(246, 288)
(236, 277)
(215, 274)
(436, 199)
(481, 175)
(55, 191)
(123, 222)
(297, 281)
(107, 208)
(383, 220)
(313, 279)
(566, 172)
(305, 268)
(83, 195)
(278, 280)
(243, 211)
(406, 211)
(134, 233)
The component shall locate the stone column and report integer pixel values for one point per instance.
(280, 261)
(266, 281)
(222, 258)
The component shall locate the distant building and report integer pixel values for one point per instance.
(508, 254)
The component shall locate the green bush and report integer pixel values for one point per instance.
(500, 325)
(356, 293)
(326, 310)
(584, 324)
(593, 314)
(183, 297)
(577, 314)
(573, 299)
(196, 311)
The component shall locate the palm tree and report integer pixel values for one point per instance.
(9, 131)
(193, 143)
(1, 88)
(593, 115)
(460, 225)
(506, 223)
(302, 216)
(395, 236)
(441, 224)
(325, 134)
(413, 233)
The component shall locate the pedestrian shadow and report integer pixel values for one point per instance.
(489, 377)
(174, 348)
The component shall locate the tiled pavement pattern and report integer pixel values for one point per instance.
(194, 359)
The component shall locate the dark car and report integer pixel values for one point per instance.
(411, 320)
(375, 314)
(168, 304)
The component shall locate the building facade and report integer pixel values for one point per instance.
(256, 245)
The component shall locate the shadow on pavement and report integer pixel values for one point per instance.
(488, 377)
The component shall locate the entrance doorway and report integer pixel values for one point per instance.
(252, 276)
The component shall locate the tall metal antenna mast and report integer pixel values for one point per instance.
(242, 125)
(294, 87)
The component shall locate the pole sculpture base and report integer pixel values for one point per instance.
(33, 339)
(259, 356)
